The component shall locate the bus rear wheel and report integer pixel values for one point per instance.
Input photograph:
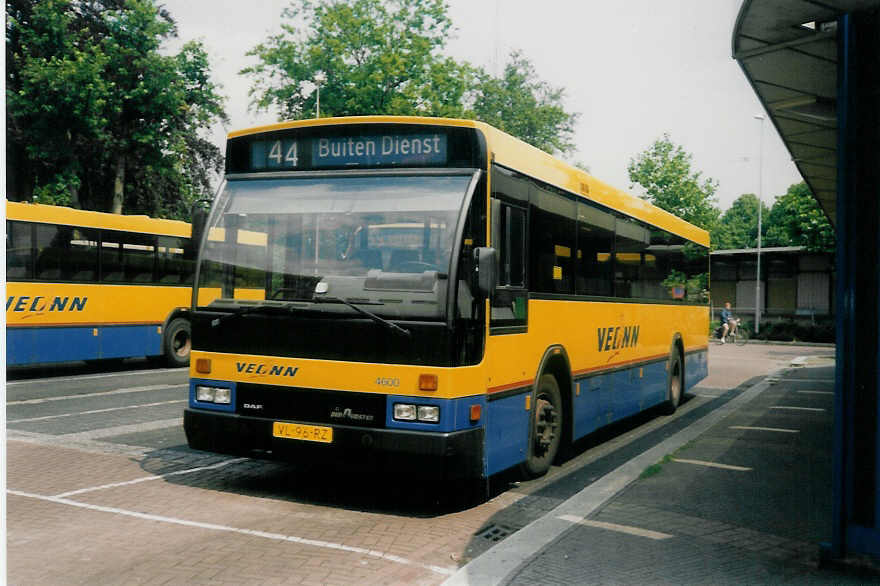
(177, 343)
(674, 383)
(546, 428)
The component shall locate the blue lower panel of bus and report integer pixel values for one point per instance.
(696, 368)
(604, 398)
(61, 344)
(598, 400)
(507, 431)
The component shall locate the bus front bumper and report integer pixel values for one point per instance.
(446, 456)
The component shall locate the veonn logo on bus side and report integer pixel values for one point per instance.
(39, 304)
(617, 337)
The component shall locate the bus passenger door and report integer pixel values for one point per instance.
(508, 420)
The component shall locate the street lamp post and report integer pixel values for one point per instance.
(759, 117)
(320, 78)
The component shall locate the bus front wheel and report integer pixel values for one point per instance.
(177, 342)
(546, 428)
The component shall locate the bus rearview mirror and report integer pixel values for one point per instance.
(199, 222)
(487, 270)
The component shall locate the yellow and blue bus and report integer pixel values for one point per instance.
(434, 290)
(84, 285)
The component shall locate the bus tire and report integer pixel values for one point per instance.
(545, 428)
(674, 383)
(177, 342)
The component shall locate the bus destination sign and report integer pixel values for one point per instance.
(386, 150)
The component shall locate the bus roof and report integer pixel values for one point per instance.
(522, 157)
(48, 214)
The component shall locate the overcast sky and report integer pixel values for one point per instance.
(633, 69)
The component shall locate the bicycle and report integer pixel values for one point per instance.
(739, 336)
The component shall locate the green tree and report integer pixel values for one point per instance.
(385, 57)
(98, 117)
(664, 171)
(521, 104)
(797, 220)
(377, 56)
(738, 227)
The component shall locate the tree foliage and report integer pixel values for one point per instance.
(98, 117)
(738, 227)
(664, 171)
(521, 104)
(797, 220)
(379, 57)
(386, 57)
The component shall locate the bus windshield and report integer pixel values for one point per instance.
(381, 241)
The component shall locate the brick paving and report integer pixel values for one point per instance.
(175, 540)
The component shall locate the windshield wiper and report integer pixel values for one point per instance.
(390, 325)
(240, 311)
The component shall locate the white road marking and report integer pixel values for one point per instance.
(92, 412)
(785, 379)
(238, 530)
(747, 428)
(91, 376)
(711, 464)
(99, 394)
(708, 396)
(806, 380)
(792, 408)
(615, 527)
(817, 392)
(122, 429)
(148, 478)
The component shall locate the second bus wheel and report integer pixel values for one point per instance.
(674, 383)
(177, 342)
(545, 434)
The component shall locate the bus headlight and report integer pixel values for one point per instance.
(423, 413)
(205, 394)
(404, 412)
(429, 413)
(218, 395)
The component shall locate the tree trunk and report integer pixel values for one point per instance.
(74, 197)
(118, 185)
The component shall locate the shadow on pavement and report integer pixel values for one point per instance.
(359, 486)
(391, 488)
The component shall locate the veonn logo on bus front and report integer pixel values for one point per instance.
(258, 368)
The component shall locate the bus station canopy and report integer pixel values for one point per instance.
(788, 51)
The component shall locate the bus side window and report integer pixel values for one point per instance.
(551, 241)
(175, 266)
(127, 257)
(19, 251)
(630, 242)
(66, 253)
(595, 246)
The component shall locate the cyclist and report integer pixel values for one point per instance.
(728, 322)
